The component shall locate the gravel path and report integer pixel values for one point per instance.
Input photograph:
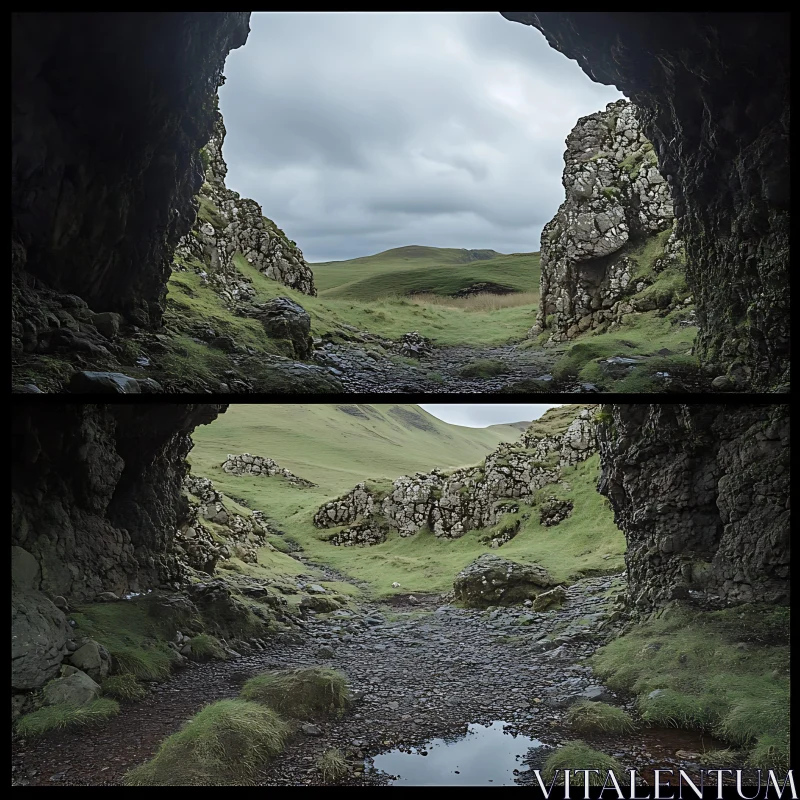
(418, 671)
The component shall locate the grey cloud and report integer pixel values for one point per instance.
(361, 132)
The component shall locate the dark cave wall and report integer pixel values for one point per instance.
(96, 492)
(714, 93)
(109, 112)
(702, 495)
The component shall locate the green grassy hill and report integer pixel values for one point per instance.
(431, 270)
(337, 446)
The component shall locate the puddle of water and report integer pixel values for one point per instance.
(487, 756)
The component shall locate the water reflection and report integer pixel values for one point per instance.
(487, 755)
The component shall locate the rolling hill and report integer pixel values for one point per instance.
(339, 445)
(417, 269)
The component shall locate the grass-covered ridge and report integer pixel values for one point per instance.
(725, 672)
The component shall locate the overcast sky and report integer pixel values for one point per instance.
(358, 132)
(479, 416)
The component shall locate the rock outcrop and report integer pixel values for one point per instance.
(616, 202)
(227, 224)
(246, 464)
(713, 94)
(466, 499)
(109, 112)
(702, 495)
(494, 581)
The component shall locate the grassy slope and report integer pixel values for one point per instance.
(423, 269)
(323, 443)
(338, 458)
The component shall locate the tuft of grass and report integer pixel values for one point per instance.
(578, 755)
(59, 716)
(206, 647)
(587, 716)
(720, 758)
(724, 672)
(306, 693)
(333, 766)
(484, 368)
(224, 744)
(124, 687)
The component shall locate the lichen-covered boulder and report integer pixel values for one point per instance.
(282, 318)
(491, 581)
(552, 599)
(93, 659)
(77, 689)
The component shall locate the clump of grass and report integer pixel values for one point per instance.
(224, 744)
(587, 716)
(124, 687)
(484, 368)
(61, 715)
(578, 755)
(333, 766)
(724, 672)
(206, 647)
(308, 693)
(720, 758)
(771, 751)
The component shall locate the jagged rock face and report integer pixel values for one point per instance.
(245, 464)
(96, 493)
(713, 90)
(702, 495)
(494, 581)
(466, 499)
(238, 224)
(109, 112)
(615, 195)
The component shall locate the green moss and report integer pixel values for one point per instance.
(206, 648)
(55, 717)
(208, 212)
(225, 744)
(204, 157)
(333, 766)
(308, 693)
(579, 756)
(724, 672)
(586, 716)
(611, 192)
(124, 687)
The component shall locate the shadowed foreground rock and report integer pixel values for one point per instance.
(494, 581)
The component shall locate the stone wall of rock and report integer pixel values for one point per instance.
(196, 545)
(246, 464)
(227, 223)
(702, 495)
(105, 161)
(615, 200)
(466, 499)
(724, 152)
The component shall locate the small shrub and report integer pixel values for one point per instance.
(587, 716)
(124, 687)
(333, 766)
(224, 744)
(49, 718)
(579, 756)
(205, 648)
(307, 693)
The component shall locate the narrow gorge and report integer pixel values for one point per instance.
(135, 269)
(570, 589)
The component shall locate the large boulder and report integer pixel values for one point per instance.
(77, 689)
(93, 659)
(491, 581)
(282, 318)
(39, 634)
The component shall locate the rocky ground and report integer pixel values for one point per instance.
(418, 669)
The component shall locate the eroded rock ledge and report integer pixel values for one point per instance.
(702, 495)
(466, 499)
(713, 90)
(246, 464)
